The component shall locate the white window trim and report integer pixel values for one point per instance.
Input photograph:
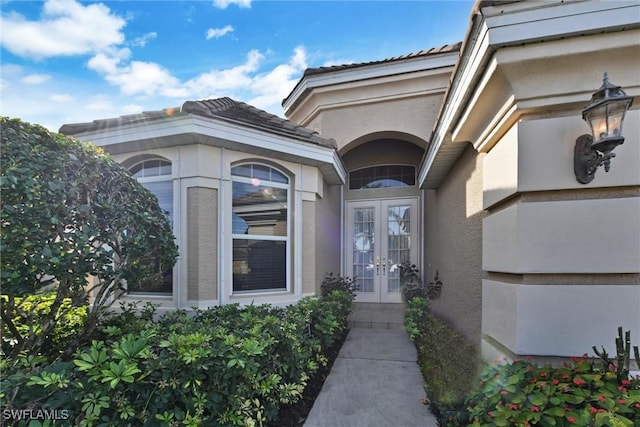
(230, 293)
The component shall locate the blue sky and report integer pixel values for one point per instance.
(64, 61)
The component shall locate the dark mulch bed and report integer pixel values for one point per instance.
(294, 415)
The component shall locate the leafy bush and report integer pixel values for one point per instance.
(68, 211)
(578, 393)
(69, 322)
(337, 283)
(410, 281)
(227, 366)
(448, 361)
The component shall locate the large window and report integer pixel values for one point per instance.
(385, 176)
(260, 228)
(155, 175)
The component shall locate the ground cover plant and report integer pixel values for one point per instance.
(225, 366)
(584, 392)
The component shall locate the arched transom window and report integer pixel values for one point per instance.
(260, 228)
(384, 176)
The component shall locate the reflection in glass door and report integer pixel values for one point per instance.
(381, 235)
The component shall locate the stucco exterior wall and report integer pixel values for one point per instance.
(327, 229)
(562, 258)
(453, 244)
(413, 116)
(202, 244)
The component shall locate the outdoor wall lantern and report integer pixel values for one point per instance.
(605, 114)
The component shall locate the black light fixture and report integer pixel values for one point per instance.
(605, 114)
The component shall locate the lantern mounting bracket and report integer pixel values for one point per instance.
(586, 159)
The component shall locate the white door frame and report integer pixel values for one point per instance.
(376, 269)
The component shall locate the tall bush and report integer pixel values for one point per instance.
(68, 212)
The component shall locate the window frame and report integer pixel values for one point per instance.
(168, 177)
(288, 238)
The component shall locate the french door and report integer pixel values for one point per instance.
(380, 235)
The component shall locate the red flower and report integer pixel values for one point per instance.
(626, 382)
(543, 374)
(578, 381)
(571, 419)
(622, 401)
(622, 389)
(637, 405)
(601, 398)
(513, 406)
(504, 392)
(593, 410)
(555, 382)
(490, 414)
(535, 409)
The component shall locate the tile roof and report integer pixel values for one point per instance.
(240, 112)
(433, 51)
(225, 109)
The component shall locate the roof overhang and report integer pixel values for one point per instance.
(496, 32)
(187, 129)
(394, 70)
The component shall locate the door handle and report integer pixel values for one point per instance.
(384, 265)
(377, 266)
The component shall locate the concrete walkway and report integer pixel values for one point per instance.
(374, 382)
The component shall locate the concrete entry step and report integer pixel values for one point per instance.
(377, 315)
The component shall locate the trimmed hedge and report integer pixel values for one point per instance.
(225, 366)
(448, 361)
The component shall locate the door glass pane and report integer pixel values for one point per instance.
(363, 248)
(399, 243)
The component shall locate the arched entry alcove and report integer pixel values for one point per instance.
(382, 213)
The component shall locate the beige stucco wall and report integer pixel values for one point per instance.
(327, 230)
(562, 258)
(453, 244)
(414, 116)
(202, 244)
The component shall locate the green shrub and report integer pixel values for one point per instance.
(448, 361)
(578, 393)
(416, 316)
(69, 322)
(69, 211)
(225, 366)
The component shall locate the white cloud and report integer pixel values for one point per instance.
(35, 79)
(66, 27)
(142, 41)
(222, 4)
(235, 78)
(213, 33)
(107, 62)
(147, 78)
(271, 88)
(61, 97)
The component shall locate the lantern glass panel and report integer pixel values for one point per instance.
(616, 116)
(597, 118)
